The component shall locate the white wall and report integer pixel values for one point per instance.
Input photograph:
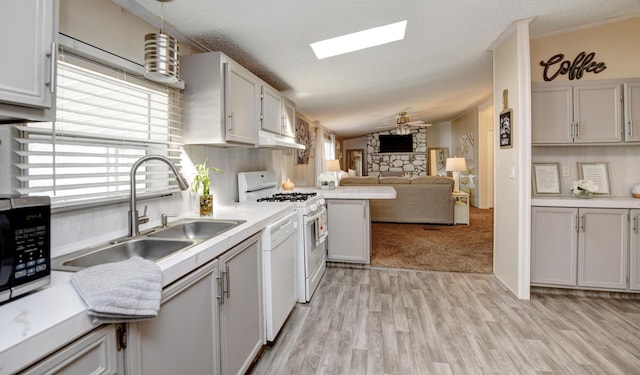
(512, 167)
(484, 180)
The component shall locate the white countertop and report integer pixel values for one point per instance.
(39, 323)
(596, 202)
(356, 192)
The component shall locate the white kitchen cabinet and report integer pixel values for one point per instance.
(241, 312)
(634, 250)
(288, 118)
(580, 113)
(584, 248)
(632, 111)
(182, 338)
(554, 245)
(95, 353)
(271, 118)
(349, 227)
(278, 114)
(221, 101)
(597, 113)
(551, 114)
(603, 245)
(28, 34)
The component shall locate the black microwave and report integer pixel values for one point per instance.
(25, 245)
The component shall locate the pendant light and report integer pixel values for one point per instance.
(161, 55)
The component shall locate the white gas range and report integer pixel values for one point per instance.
(261, 186)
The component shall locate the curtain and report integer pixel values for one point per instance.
(320, 162)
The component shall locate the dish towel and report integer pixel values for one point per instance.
(122, 291)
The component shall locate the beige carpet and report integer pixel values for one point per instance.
(453, 248)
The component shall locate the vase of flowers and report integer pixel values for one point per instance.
(583, 189)
(202, 184)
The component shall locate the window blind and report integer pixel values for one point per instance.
(105, 121)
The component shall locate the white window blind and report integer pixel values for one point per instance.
(105, 121)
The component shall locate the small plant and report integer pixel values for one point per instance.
(201, 179)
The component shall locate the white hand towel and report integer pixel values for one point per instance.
(122, 291)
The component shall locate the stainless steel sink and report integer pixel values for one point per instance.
(196, 229)
(147, 248)
(155, 245)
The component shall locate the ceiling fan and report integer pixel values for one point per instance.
(403, 124)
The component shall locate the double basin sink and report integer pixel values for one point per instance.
(156, 244)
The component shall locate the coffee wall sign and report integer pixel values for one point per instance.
(583, 63)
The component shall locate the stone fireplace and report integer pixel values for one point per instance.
(398, 164)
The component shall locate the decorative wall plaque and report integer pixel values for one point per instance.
(583, 63)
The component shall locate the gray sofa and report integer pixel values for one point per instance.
(422, 199)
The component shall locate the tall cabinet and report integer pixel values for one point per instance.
(29, 30)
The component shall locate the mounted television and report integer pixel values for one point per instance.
(390, 143)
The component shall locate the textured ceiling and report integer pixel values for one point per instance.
(442, 68)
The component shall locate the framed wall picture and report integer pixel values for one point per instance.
(598, 173)
(506, 129)
(546, 179)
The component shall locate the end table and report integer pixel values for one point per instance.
(461, 207)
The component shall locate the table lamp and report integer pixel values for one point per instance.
(455, 166)
(333, 166)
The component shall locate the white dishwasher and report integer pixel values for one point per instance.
(279, 259)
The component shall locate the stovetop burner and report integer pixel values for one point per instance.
(287, 197)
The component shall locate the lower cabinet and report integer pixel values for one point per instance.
(95, 353)
(210, 321)
(349, 226)
(580, 247)
(554, 245)
(241, 313)
(634, 250)
(181, 339)
(603, 248)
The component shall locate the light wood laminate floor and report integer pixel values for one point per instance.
(386, 321)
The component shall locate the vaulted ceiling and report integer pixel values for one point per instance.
(442, 68)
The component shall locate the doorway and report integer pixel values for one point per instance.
(355, 161)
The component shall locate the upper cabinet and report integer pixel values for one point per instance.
(222, 101)
(29, 30)
(278, 113)
(271, 118)
(579, 113)
(288, 118)
(632, 111)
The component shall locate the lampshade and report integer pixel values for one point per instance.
(456, 165)
(333, 165)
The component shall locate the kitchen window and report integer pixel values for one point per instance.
(105, 120)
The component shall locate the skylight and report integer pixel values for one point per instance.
(359, 40)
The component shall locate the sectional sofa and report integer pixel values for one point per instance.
(421, 199)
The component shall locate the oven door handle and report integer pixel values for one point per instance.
(309, 219)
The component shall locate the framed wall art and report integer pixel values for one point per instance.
(598, 173)
(506, 129)
(546, 179)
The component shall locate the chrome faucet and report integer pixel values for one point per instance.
(134, 219)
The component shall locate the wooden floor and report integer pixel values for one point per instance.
(386, 321)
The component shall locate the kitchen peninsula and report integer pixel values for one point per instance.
(349, 221)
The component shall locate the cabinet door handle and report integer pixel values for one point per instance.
(577, 223)
(571, 129)
(227, 285)
(230, 122)
(52, 73)
(635, 224)
(220, 295)
(577, 129)
(582, 223)
(630, 124)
